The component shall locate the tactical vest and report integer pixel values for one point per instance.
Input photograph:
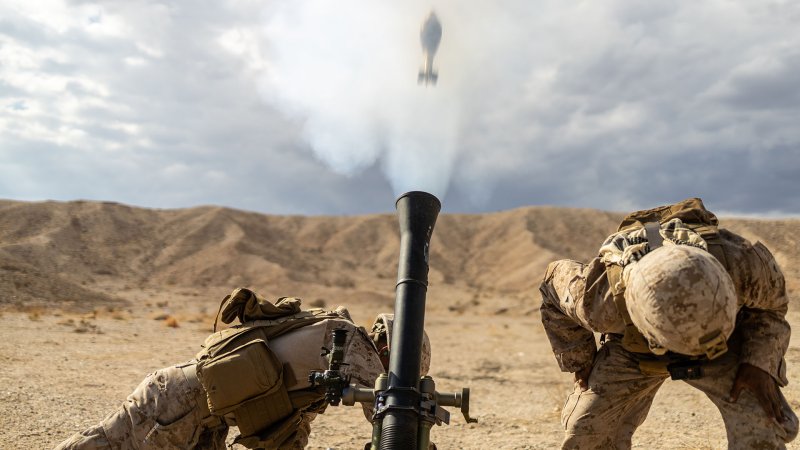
(696, 217)
(242, 376)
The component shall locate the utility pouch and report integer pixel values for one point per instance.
(238, 375)
(686, 370)
(248, 381)
(274, 437)
(255, 415)
(652, 367)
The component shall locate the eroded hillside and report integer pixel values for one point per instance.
(81, 254)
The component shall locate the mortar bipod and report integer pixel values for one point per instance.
(430, 407)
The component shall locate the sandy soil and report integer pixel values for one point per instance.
(90, 291)
(64, 372)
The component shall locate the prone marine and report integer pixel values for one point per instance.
(254, 375)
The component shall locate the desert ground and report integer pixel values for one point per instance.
(93, 296)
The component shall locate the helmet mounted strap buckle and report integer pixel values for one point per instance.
(714, 344)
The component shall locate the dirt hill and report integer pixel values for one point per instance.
(70, 253)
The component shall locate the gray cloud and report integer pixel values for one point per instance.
(614, 105)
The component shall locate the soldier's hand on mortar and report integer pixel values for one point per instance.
(762, 385)
(582, 377)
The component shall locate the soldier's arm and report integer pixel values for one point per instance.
(364, 366)
(572, 342)
(764, 329)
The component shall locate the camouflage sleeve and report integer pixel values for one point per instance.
(299, 440)
(364, 365)
(762, 323)
(573, 343)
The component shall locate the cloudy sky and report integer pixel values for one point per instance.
(312, 106)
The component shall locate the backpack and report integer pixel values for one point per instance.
(692, 213)
(242, 376)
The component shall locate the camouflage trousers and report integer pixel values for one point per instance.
(161, 413)
(619, 397)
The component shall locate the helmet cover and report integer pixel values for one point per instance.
(682, 299)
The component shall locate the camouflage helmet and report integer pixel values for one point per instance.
(682, 300)
(383, 326)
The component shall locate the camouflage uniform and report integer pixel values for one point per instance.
(167, 410)
(577, 301)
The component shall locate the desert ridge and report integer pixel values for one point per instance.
(67, 253)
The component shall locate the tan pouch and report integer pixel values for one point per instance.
(241, 374)
(653, 367)
(254, 415)
(281, 434)
(273, 437)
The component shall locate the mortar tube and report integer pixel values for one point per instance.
(417, 213)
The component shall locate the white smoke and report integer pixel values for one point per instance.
(537, 100)
(348, 70)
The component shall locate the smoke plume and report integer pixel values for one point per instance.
(547, 102)
(348, 70)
